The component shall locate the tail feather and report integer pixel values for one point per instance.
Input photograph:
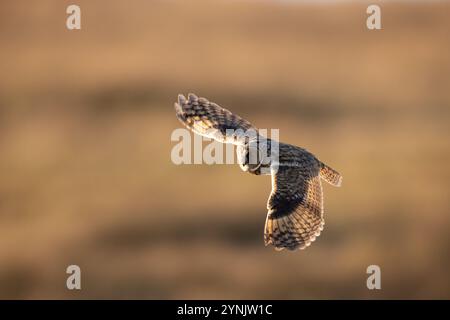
(330, 175)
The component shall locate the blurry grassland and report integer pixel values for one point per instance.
(86, 176)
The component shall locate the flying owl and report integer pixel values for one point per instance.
(295, 205)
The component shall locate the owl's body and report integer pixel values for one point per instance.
(285, 155)
(295, 205)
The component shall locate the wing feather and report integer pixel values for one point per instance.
(211, 120)
(295, 205)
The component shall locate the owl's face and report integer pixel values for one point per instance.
(253, 156)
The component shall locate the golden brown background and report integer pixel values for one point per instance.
(85, 170)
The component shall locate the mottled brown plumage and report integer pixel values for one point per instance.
(295, 205)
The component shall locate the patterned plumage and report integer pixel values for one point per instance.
(295, 205)
(210, 120)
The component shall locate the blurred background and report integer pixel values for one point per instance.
(85, 170)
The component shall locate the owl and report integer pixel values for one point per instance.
(295, 205)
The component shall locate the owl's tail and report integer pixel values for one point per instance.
(330, 175)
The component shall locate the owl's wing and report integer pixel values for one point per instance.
(210, 120)
(295, 216)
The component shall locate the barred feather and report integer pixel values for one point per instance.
(211, 120)
(298, 227)
(330, 175)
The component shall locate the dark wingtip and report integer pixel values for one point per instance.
(181, 99)
(192, 97)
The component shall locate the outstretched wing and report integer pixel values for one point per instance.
(210, 120)
(295, 216)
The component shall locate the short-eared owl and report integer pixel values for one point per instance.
(295, 205)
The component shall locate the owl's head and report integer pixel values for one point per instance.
(253, 155)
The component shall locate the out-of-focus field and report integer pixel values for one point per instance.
(85, 170)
